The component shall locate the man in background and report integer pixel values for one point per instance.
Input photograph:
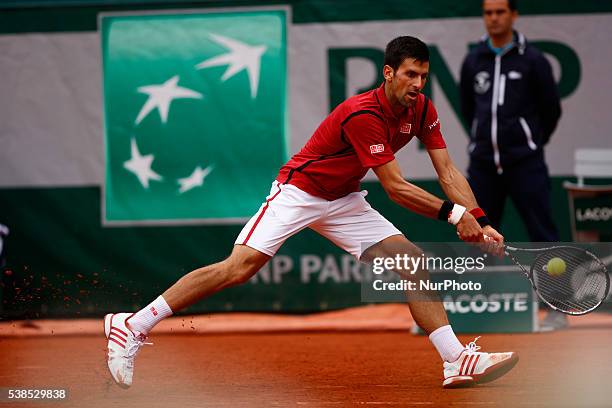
(510, 99)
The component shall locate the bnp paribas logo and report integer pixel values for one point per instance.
(195, 115)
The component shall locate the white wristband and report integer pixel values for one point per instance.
(456, 214)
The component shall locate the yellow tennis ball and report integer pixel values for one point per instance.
(555, 267)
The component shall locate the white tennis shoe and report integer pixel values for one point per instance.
(475, 367)
(123, 345)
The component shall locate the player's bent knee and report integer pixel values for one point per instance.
(240, 267)
(236, 273)
(391, 247)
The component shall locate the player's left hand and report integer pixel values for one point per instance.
(468, 229)
(493, 241)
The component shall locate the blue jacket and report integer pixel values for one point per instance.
(527, 106)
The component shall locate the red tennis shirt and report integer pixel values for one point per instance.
(361, 133)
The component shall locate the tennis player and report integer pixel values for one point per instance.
(319, 189)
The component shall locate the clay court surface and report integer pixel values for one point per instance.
(312, 369)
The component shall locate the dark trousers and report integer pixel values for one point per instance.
(527, 184)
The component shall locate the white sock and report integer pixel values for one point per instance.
(447, 344)
(145, 319)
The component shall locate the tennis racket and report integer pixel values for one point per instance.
(580, 289)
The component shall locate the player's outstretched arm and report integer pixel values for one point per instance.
(453, 183)
(406, 194)
(457, 188)
(422, 202)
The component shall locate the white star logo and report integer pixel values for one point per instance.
(141, 166)
(161, 96)
(196, 179)
(240, 56)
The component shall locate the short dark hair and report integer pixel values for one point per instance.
(404, 47)
(511, 4)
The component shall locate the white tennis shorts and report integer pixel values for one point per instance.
(349, 222)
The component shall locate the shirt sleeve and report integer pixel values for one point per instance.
(430, 133)
(466, 91)
(367, 133)
(547, 96)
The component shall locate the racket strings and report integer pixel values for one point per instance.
(580, 288)
(577, 287)
(575, 292)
